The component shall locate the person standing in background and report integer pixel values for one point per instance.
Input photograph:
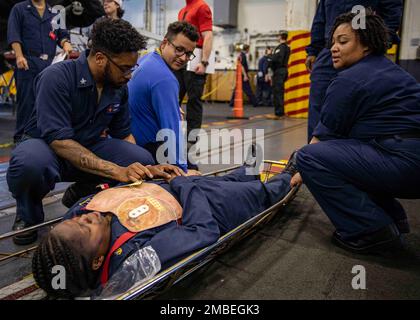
(113, 9)
(278, 63)
(246, 86)
(197, 13)
(32, 37)
(264, 91)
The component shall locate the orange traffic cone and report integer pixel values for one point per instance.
(238, 106)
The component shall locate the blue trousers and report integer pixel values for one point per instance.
(264, 93)
(321, 76)
(246, 192)
(246, 87)
(35, 169)
(25, 94)
(233, 199)
(356, 182)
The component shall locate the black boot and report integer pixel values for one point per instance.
(385, 239)
(25, 238)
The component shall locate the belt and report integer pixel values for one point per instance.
(42, 56)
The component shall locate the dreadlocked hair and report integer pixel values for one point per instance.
(53, 251)
(375, 36)
(115, 37)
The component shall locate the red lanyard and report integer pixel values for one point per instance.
(117, 244)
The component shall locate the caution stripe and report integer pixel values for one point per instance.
(297, 62)
(299, 99)
(304, 35)
(297, 86)
(6, 145)
(297, 50)
(297, 95)
(298, 75)
(298, 112)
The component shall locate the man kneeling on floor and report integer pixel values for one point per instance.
(100, 233)
(76, 101)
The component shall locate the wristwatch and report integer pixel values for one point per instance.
(205, 63)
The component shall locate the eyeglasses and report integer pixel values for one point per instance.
(180, 51)
(126, 72)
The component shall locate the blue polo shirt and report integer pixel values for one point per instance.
(371, 99)
(154, 105)
(66, 105)
(26, 27)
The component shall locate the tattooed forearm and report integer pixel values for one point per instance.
(83, 158)
(88, 161)
(108, 169)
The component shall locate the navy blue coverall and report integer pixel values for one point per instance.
(210, 210)
(323, 71)
(264, 90)
(369, 152)
(39, 43)
(66, 107)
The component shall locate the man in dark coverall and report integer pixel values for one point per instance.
(278, 63)
(30, 34)
(76, 102)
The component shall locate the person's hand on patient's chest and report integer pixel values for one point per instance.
(166, 171)
(192, 173)
(133, 173)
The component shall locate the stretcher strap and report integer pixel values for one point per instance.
(117, 244)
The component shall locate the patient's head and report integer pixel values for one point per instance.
(80, 246)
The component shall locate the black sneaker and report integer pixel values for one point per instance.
(25, 238)
(291, 164)
(385, 239)
(77, 191)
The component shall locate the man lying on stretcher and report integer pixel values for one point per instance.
(171, 218)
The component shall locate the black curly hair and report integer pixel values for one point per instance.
(115, 37)
(55, 251)
(183, 27)
(375, 36)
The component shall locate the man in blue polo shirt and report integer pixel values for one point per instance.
(76, 102)
(154, 91)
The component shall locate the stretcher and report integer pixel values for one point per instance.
(165, 279)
